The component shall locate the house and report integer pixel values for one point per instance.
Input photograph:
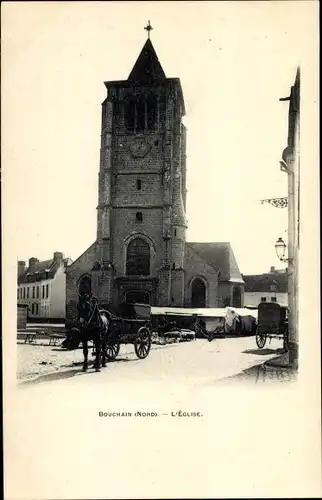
(42, 287)
(267, 287)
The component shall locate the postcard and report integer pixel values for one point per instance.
(161, 327)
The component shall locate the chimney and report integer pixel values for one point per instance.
(33, 261)
(272, 269)
(21, 267)
(58, 256)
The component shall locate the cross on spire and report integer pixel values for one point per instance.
(148, 28)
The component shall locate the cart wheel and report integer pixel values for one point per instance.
(260, 339)
(142, 342)
(112, 351)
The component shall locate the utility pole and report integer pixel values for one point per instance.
(291, 164)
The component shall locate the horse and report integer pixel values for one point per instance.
(242, 325)
(93, 325)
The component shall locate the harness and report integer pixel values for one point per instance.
(94, 307)
(92, 316)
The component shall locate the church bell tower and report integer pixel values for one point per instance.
(141, 222)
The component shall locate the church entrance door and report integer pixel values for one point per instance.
(198, 293)
(137, 296)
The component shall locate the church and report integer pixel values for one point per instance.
(141, 253)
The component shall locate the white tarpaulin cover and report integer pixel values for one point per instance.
(242, 311)
(208, 312)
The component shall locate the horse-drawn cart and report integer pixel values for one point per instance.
(272, 323)
(131, 326)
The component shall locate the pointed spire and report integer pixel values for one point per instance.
(147, 68)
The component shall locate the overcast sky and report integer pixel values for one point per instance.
(234, 59)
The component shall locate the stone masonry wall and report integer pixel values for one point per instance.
(125, 225)
(195, 266)
(83, 265)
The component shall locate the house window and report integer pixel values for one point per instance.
(263, 299)
(175, 232)
(138, 258)
(37, 309)
(18, 294)
(43, 291)
(32, 308)
(27, 292)
(24, 292)
(47, 291)
(33, 292)
(138, 184)
(37, 292)
(273, 299)
(139, 217)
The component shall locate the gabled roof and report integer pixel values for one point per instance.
(89, 249)
(37, 271)
(147, 67)
(221, 257)
(268, 282)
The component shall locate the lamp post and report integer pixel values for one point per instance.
(280, 248)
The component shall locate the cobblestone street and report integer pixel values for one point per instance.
(222, 361)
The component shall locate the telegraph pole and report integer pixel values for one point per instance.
(290, 165)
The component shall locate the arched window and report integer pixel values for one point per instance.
(138, 258)
(198, 293)
(236, 297)
(85, 285)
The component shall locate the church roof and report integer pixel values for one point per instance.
(221, 257)
(147, 67)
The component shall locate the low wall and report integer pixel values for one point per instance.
(22, 312)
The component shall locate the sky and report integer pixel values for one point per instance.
(234, 59)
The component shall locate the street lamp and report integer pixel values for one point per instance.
(280, 248)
